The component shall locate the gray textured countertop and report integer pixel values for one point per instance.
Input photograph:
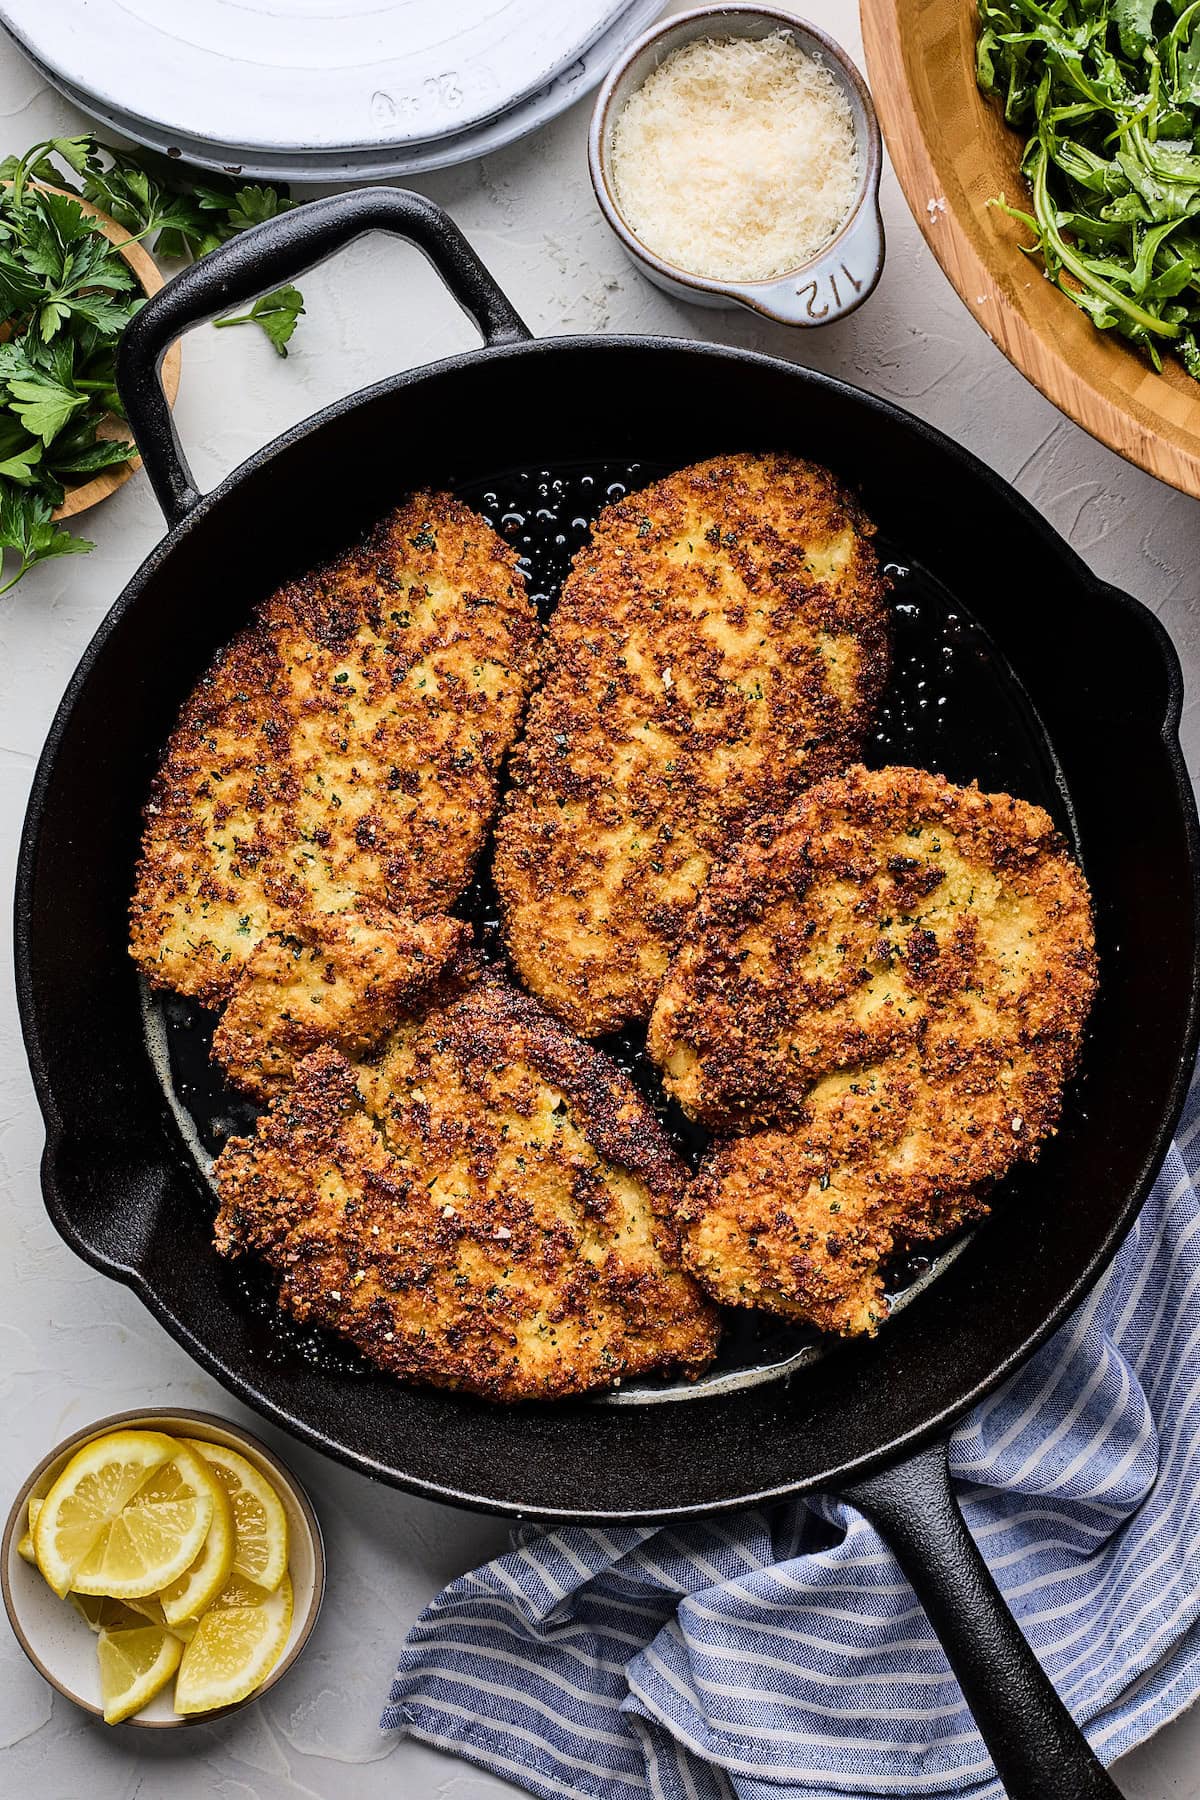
(74, 1346)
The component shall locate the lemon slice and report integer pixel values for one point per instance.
(261, 1552)
(150, 1607)
(99, 1613)
(134, 1666)
(25, 1548)
(236, 1592)
(234, 1649)
(187, 1598)
(240, 1592)
(157, 1534)
(89, 1495)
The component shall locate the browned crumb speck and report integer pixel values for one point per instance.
(485, 1204)
(720, 643)
(329, 786)
(886, 988)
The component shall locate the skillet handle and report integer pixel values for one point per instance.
(1039, 1751)
(264, 258)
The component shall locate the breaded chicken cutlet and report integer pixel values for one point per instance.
(485, 1204)
(886, 988)
(327, 790)
(720, 643)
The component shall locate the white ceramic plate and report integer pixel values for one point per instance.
(294, 77)
(317, 167)
(384, 160)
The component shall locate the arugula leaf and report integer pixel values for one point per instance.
(1188, 71)
(1135, 24)
(276, 313)
(1107, 93)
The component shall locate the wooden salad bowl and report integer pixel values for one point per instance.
(952, 152)
(87, 494)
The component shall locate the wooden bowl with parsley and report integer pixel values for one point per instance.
(80, 495)
(77, 221)
(71, 277)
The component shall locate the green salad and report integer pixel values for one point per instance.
(1107, 93)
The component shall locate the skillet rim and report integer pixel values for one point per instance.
(57, 1130)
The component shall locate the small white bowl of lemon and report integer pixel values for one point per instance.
(161, 1569)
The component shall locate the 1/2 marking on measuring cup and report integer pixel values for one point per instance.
(812, 289)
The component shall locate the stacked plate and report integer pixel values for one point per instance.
(324, 90)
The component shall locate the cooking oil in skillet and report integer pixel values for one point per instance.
(952, 705)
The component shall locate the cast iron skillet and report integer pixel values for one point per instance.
(1099, 685)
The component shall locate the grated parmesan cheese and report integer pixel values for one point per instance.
(736, 159)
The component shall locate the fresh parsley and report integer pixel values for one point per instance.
(65, 297)
(276, 313)
(1108, 95)
(27, 529)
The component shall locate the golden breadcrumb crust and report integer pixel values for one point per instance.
(485, 1204)
(338, 762)
(719, 644)
(345, 982)
(887, 987)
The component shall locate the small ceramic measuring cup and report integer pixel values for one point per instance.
(842, 274)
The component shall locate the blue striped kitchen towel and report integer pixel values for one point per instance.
(782, 1652)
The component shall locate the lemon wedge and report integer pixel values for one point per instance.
(25, 1548)
(234, 1648)
(261, 1550)
(150, 1607)
(188, 1597)
(99, 1613)
(240, 1592)
(134, 1665)
(155, 1536)
(236, 1592)
(89, 1494)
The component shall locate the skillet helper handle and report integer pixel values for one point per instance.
(1039, 1751)
(262, 259)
